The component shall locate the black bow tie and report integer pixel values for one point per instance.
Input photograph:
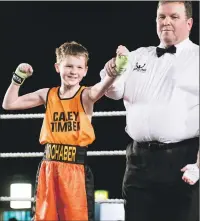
(161, 51)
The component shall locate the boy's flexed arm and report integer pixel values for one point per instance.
(12, 101)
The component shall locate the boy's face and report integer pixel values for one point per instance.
(72, 69)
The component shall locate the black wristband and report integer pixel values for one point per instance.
(17, 79)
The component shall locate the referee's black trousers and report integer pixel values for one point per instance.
(153, 188)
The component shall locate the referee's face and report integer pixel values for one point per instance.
(172, 24)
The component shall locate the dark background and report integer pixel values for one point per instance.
(30, 32)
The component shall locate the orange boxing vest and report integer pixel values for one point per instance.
(65, 121)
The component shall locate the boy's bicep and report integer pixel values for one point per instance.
(30, 100)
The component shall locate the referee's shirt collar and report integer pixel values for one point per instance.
(183, 44)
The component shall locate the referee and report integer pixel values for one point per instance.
(160, 89)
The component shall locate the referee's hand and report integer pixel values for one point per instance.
(191, 173)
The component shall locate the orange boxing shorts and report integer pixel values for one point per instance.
(64, 185)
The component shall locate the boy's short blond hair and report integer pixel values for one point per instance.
(71, 48)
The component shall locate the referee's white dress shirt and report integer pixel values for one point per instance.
(161, 95)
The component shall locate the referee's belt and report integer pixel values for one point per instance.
(155, 145)
(65, 153)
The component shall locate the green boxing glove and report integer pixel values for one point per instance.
(22, 72)
(121, 63)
